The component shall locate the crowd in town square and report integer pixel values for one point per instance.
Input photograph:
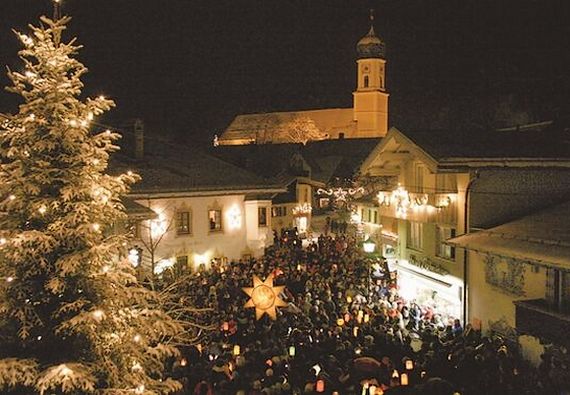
(345, 330)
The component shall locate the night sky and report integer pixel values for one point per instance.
(187, 67)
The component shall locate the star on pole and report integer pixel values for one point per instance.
(264, 297)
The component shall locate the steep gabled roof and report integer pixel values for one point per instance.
(319, 160)
(548, 141)
(546, 145)
(170, 167)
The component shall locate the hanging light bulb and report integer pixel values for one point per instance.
(12, 197)
(42, 209)
(137, 338)
(9, 279)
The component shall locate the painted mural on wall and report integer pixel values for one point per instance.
(505, 274)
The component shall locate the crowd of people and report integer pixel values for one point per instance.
(341, 333)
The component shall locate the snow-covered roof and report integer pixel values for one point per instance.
(270, 127)
(543, 238)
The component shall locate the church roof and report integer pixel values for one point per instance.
(371, 46)
(271, 127)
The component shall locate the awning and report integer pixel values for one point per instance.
(536, 251)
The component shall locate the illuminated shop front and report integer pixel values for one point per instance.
(430, 285)
(301, 215)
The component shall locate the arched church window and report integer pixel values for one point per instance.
(366, 81)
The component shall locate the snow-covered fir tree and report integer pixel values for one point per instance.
(73, 318)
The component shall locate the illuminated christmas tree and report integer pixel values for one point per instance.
(73, 318)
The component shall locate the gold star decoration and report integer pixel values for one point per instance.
(264, 297)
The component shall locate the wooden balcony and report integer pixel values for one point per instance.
(539, 319)
(424, 207)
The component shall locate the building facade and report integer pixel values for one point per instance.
(437, 185)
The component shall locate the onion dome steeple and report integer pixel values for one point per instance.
(371, 46)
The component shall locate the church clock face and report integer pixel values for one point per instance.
(365, 68)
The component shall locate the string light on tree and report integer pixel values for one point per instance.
(52, 264)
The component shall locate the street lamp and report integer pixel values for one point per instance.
(369, 246)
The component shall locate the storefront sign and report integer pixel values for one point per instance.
(428, 264)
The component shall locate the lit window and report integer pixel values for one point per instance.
(444, 250)
(182, 261)
(278, 211)
(415, 234)
(215, 220)
(262, 216)
(183, 223)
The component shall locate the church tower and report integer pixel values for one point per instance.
(370, 97)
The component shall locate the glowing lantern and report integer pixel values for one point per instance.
(372, 390)
(226, 326)
(183, 362)
(320, 385)
(264, 297)
(348, 299)
(366, 317)
(347, 317)
(355, 331)
(236, 350)
(404, 379)
(409, 364)
(340, 322)
(292, 351)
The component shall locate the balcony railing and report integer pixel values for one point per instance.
(539, 319)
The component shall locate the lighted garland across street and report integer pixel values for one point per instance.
(264, 297)
(340, 194)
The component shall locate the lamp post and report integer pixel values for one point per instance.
(369, 246)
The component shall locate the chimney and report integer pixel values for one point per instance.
(139, 139)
